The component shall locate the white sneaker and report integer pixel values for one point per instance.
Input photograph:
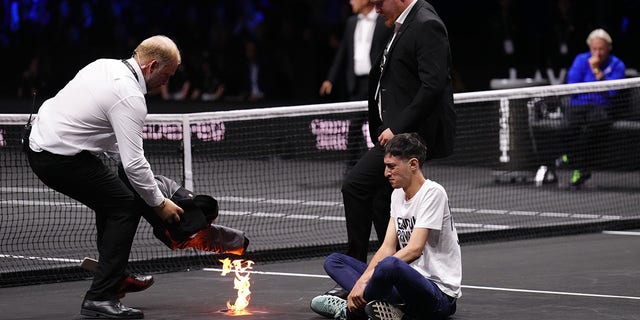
(329, 306)
(382, 310)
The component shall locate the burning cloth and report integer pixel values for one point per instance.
(196, 228)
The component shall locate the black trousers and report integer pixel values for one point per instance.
(356, 142)
(85, 178)
(367, 196)
(586, 135)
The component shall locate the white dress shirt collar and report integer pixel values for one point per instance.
(372, 15)
(405, 13)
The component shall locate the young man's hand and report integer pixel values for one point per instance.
(356, 300)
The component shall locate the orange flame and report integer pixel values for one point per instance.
(240, 283)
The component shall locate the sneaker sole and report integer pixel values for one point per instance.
(320, 312)
(378, 310)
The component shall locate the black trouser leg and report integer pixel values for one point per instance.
(366, 195)
(596, 131)
(86, 179)
(587, 126)
(576, 136)
(356, 144)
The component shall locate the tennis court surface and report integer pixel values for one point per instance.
(589, 276)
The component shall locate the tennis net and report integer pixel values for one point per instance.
(277, 173)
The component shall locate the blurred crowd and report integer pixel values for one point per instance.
(278, 52)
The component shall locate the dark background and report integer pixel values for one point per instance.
(294, 42)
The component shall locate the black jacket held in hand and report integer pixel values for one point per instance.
(196, 228)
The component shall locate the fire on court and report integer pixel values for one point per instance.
(241, 282)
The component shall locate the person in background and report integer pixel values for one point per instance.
(207, 84)
(102, 110)
(179, 87)
(589, 114)
(363, 41)
(423, 277)
(35, 78)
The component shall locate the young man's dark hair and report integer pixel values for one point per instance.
(407, 146)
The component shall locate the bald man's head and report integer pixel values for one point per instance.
(158, 58)
(159, 48)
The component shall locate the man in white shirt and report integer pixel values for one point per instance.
(425, 274)
(102, 110)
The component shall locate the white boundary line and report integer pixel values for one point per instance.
(575, 294)
(622, 233)
(315, 203)
(306, 275)
(271, 273)
(24, 203)
(12, 256)
(593, 295)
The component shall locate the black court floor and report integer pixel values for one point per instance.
(593, 276)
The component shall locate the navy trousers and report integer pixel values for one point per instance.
(394, 281)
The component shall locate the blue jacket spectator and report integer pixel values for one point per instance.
(596, 65)
(588, 115)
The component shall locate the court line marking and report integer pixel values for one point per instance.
(25, 189)
(342, 218)
(335, 218)
(13, 256)
(564, 293)
(25, 203)
(622, 233)
(306, 275)
(454, 210)
(315, 203)
(248, 213)
(272, 273)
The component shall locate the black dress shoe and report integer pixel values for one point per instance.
(133, 283)
(110, 309)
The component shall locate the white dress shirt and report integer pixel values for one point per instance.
(362, 38)
(102, 109)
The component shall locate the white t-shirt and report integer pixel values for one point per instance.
(441, 260)
(102, 109)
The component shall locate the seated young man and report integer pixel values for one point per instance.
(422, 279)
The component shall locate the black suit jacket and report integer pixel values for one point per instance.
(343, 60)
(415, 85)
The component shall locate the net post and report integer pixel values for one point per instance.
(504, 131)
(186, 149)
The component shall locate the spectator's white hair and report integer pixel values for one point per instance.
(599, 33)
